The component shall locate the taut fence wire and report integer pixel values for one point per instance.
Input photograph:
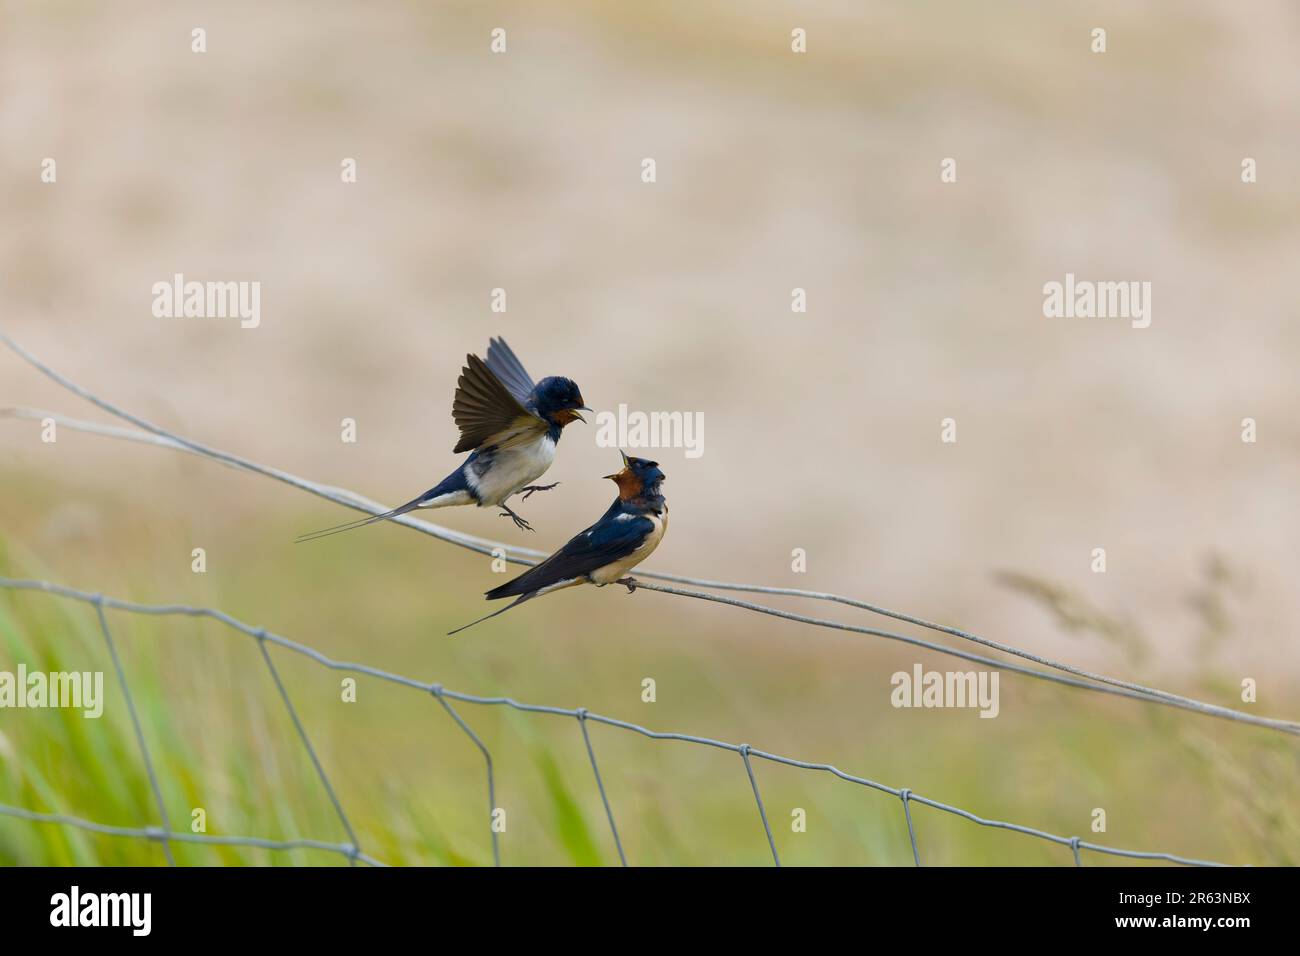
(1069, 675)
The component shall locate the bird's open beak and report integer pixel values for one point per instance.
(617, 473)
(581, 408)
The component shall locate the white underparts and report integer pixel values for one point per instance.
(509, 470)
(448, 499)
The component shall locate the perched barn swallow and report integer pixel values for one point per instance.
(603, 554)
(509, 424)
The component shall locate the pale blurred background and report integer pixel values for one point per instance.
(822, 430)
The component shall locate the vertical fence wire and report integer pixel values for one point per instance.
(438, 693)
(758, 798)
(911, 830)
(600, 785)
(306, 742)
(135, 723)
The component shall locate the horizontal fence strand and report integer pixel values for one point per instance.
(156, 833)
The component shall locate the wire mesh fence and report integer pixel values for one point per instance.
(165, 835)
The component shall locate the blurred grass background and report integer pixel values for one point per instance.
(775, 171)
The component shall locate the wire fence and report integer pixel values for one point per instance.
(1065, 674)
(352, 849)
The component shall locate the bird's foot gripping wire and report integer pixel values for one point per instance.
(519, 522)
(629, 582)
(529, 489)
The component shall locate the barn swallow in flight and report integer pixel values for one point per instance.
(603, 554)
(510, 426)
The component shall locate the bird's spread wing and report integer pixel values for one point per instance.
(486, 413)
(605, 541)
(506, 366)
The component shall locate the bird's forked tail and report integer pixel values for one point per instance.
(517, 601)
(360, 522)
